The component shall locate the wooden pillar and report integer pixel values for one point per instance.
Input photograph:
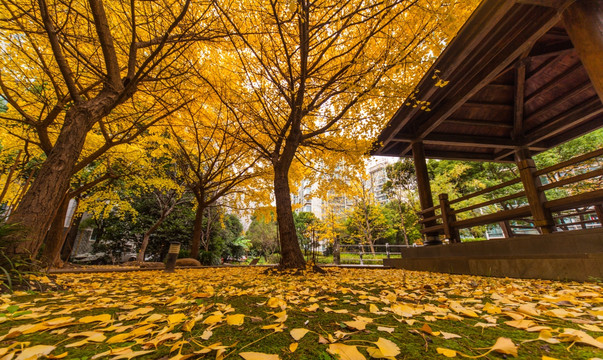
(536, 198)
(425, 198)
(583, 21)
(448, 218)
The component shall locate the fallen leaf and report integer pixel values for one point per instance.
(298, 334)
(388, 348)
(446, 352)
(35, 352)
(293, 347)
(345, 352)
(258, 356)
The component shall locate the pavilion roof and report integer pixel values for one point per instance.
(515, 79)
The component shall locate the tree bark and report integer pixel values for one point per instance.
(56, 235)
(291, 255)
(70, 239)
(40, 203)
(147, 236)
(197, 232)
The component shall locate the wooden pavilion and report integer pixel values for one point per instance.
(523, 76)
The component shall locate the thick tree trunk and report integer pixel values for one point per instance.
(55, 236)
(70, 239)
(42, 200)
(291, 255)
(197, 232)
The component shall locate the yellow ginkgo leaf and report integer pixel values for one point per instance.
(388, 348)
(355, 324)
(375, 353)
(345, 352)
(276, 302)
(447, 335)
(373, 308)
(98, 318)
(386, 329)
(177, 318)
(298, 334)
(213, 319)
(544, 357)
(35, 352)
(293, 347)
(446, 352)
(235, 320)
(60, 356)
(504, 345)
(258, 356)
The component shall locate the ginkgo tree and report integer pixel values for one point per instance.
(323, 76)
(68, 66)
(214, 165)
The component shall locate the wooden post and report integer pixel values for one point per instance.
(536, 198)
(336, 251)
(447, 219)
(506, 229)
(425, 198)
(599, 211)
(583, 21)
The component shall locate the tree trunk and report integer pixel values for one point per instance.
(70, 239)
(147, 236)
(39, 205)
(9, 177)
(56, 235)
(403, 224)
(291, 255)
(197, 232)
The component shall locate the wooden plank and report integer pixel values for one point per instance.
(472, 122)
(518, 103)
(492, 218)
(490, 202)
(464, 140)
(556, 80)
(572, 202)
(486, 190)
(591, 125)
(556, 49)
(573, 179)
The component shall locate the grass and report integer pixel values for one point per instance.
(247, 291)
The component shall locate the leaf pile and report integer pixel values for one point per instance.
(343, 314)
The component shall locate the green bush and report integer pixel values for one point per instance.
(209, 258)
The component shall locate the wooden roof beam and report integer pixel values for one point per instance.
(570, 94)
(475, 122)
(468, 141)
(564, 121)
(555, 81)
(462, 155)
(491, 69)
(552, 50)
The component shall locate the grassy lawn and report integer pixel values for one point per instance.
(152, 315)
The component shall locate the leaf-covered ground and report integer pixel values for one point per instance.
(244, 313)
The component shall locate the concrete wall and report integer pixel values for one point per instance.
(572, 255)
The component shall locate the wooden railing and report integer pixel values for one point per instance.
(512, 205)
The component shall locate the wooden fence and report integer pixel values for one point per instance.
(572, 191)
